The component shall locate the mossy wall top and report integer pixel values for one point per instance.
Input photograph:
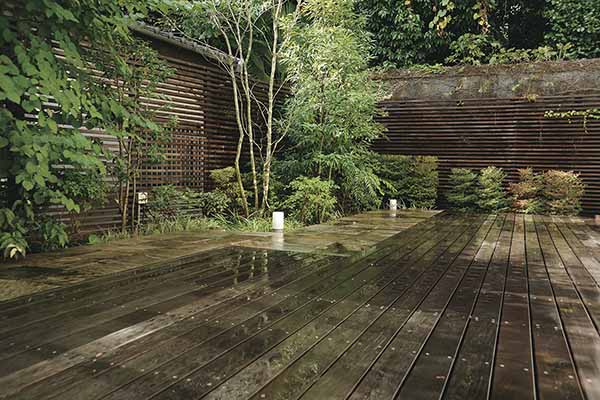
(496, 81)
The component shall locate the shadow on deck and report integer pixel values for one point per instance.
(456, 307)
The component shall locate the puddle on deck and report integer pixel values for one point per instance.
(343, 237)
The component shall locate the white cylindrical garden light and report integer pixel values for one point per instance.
(278, 221)
(393, 204)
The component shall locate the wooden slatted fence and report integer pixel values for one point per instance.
(510, 133)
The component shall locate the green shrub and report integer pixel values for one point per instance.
(526, 193)
(225, 182)
(462, 195)
(472, 49)
(168, 202)
(492, 197)
(393, 169)
(312, 200)
(413, 180)
(54, 235)
(360, 191)
(86, 188)
(422, 182)
(562, 192)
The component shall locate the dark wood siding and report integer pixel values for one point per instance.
(199, 98)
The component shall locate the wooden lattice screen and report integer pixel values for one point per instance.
(204, 137)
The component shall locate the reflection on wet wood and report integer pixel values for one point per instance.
(456, 307)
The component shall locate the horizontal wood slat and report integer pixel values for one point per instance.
(507, 133)
(198, 96)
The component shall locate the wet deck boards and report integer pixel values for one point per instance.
(456, 307)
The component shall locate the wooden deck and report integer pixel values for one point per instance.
(457, 307)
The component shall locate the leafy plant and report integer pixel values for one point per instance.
(562, 192)
(168, 202)
(330, 114)
(472, 49)
(38, 137)
(409, 32)
(13, 244)
(492, 197)
(576, 22)
(422, 182)
(225, 182)
(132, 77)
(54, 235)
(527, 192)
(250, 31)
(462, 195)
(312, 200)
(413, 180)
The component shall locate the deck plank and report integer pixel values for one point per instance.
(456, 307)
(177, 336)
(387, 373)
(472, 370)
(513, 376)
(204, 379)
(345, 374)
(554, 363)
(300, 307)
(581, 332)
(360, 333)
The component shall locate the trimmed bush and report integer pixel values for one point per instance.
(413, 180)
(462, 195)
(492, 197)
(312, 200)
(422, 185)
(562, 192)
(526, 194)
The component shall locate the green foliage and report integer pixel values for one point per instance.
(409, 32)
(13, 244)
(54, 235)
(492, 196)
(472, 49)
(400, 34)
(132, 76)
(37, 139)
(562, 192)
(225, 183)
(86, 188)
(576, 22)
(330, 115)
(253, 224)
(312, 200)
(527, 191)
(543, 53)
(584, 115)
(462, 195)
(360, 191)
(423, 182)
(413, 180)
(167, 202)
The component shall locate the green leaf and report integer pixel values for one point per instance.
(9, 89)
(27, 185)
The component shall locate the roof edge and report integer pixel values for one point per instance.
(201, 49)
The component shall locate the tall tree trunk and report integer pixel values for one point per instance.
(271, 104)
(240, 145)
